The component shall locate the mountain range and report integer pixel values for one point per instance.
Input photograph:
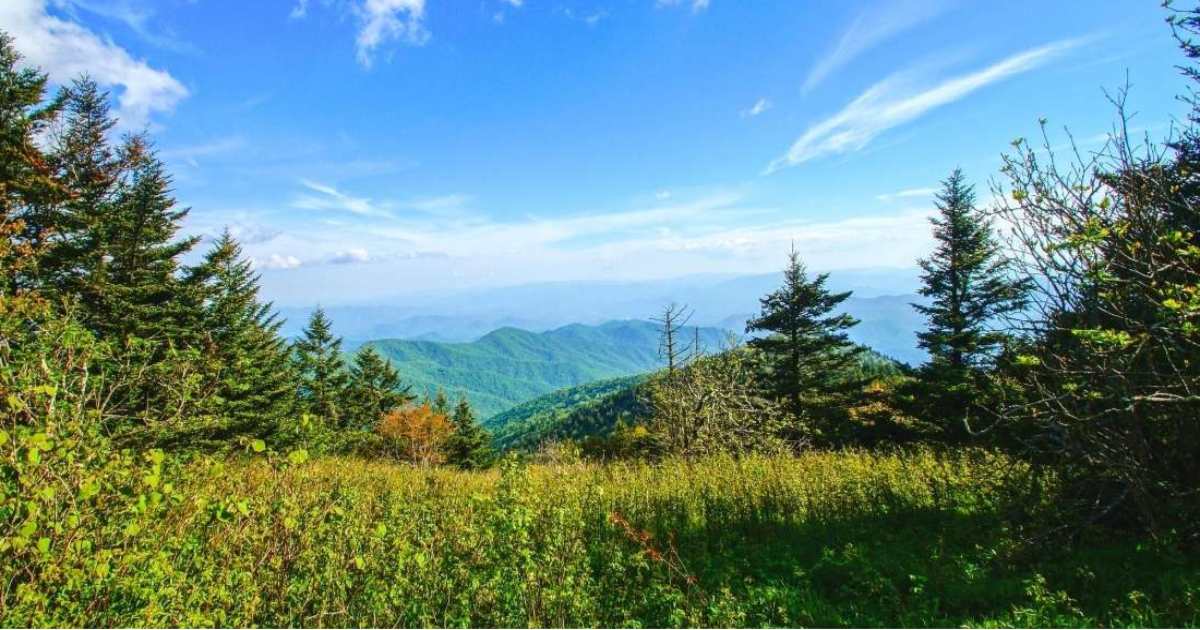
(881, 300)
(510, 366)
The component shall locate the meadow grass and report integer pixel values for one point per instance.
(829, 539)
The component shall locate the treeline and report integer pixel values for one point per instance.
(1062, 326)
(97, 305)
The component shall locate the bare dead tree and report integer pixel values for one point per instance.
(671, 349)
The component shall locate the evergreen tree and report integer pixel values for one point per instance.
(254, 387)
(26, 178)
(807, 357)
(141, 292)
(111, 244)
(323, 377)
(439, 403)
(90, 169)
(470, 447)
(970, 285)
(374, 389)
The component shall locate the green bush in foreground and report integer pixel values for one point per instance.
(823, 539)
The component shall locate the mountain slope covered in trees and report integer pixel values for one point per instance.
(587, 410)
(509, 366)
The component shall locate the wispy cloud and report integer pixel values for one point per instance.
(330, 199)
(379, 23)
(135, 15)
(387, 20)
(759, 106)
(276, 261)
(350, 256)
(908, 193)
(65, 50)
(697, 5)
(591, 19)
(191, 154)
(892, 102)
(872, 27)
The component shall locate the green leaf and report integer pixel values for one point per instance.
(43, 545)
(258, 446)
(298, 456)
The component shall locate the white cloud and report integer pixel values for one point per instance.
(328, 198)
(350, 256)
(873, 26)
(697, 5)
(889, 103)
(760, 106)
(386, 20)
(907, 193)
(277, 261)
(66, 50)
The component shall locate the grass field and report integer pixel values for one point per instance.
(824, 539)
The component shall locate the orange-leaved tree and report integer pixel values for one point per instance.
(416, 433)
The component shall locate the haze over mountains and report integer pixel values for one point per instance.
(881, 301)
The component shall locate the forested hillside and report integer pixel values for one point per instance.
(573, 413)
(507, 367)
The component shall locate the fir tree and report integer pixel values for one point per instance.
(470, 447)
(323, 377)
(439, 403)
(255, 387)
(806, 354)
(970, 285)
(143, 288)
(90, 169)
(374, 389)
(27, 180)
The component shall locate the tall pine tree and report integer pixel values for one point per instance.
(27, 179)
(112, 244)
(374, 389)
(970, 284)
(807, 356)
(142, 287)
(322, 372)
(90, 168)
(470, 446)
(254, 387)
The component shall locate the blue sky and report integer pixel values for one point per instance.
(376, 147)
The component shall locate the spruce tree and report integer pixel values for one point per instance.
(439, 403)
(26, 179)
(254, 388)
(90, 168)
(374, 389)
(970, 285)
(111, 244)
(470, 447)
(142, 289)
(807, 356)
(322, 372)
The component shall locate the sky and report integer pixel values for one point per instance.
(368, 148)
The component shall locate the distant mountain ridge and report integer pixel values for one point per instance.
(509, 366)
(881, 300)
